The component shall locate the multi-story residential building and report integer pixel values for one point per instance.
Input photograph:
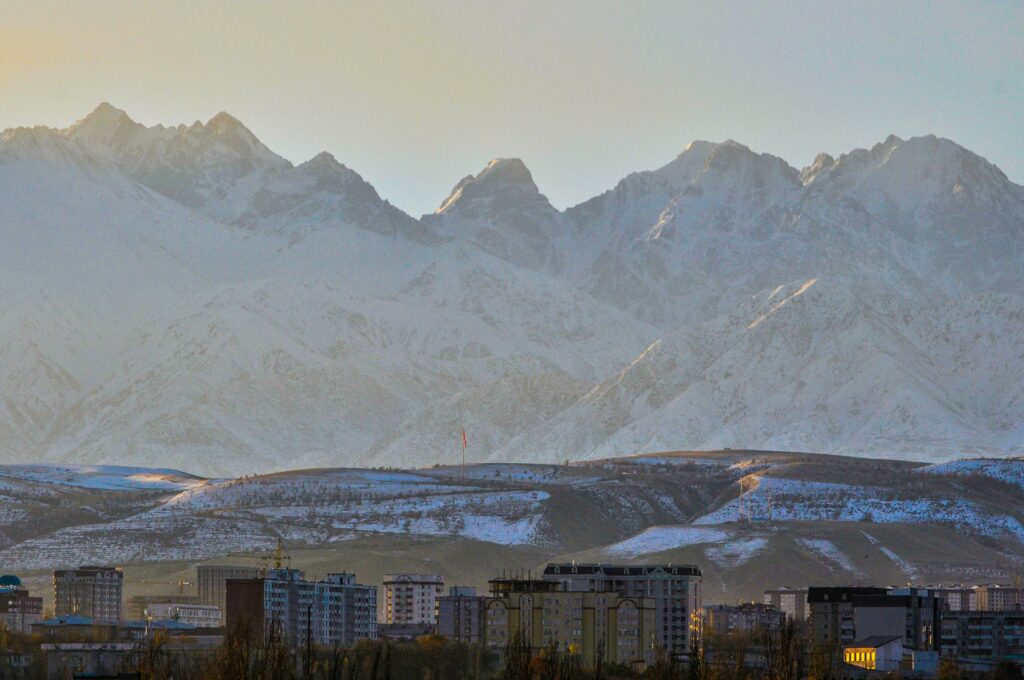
(198, 615)
(90, 591)
(412, 598)
(999, 598)
(461, 615)
(18, 609)
(620, 629)
(983, 634)
(675, 589)
(791, 601)
(212, 579)
(911, 613)
(830, 612)
(956, 598)
(748, 617)
(334, 611)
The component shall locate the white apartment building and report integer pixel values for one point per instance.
(412, 598)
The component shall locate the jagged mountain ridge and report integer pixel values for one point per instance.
(227, 311)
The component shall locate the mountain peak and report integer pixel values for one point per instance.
(107, 110)
(325, 165)
(324, 159)
(101, 125)
(507, 169)
(508, 178)
(701, 156)
(225, 122)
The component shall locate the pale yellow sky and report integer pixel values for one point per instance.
(414, 95)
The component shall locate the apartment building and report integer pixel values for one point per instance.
(791, 601)
(461, 615)
(983, 634)
(674, 588)
(956, 598)
(18, 609)
(999, 598)
(621, 629)
(830, 612)
(411, 599)
(334, 611)
(749, 617)
(211, 581)
(90, 591)
(911, 613)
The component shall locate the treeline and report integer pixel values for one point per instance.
(784, 654)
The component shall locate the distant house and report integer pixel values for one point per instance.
(878, 653)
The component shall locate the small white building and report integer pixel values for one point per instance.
(199, 615)
(878, 653)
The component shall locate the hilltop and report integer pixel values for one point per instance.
(801, 518)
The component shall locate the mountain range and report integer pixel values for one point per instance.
(184, 297)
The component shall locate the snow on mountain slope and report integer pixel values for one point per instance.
(878, 371)
(1010, 471)
(184, 295)
(244, 377)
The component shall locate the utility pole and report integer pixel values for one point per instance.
(465, 443)
(309, 641)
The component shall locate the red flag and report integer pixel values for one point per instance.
(465, 443)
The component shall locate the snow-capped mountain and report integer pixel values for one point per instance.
(184, 296)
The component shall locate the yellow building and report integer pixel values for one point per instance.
(573, 622)
(878, 653)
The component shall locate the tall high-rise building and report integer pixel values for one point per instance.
(411, 599)
(675, 589)
(211, 580)
(334, 611)
(90, 591)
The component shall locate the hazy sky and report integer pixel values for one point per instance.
(415, 95)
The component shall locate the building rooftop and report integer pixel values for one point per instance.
(569, 568)
(874, 642)
(9, 581)
(840, 594)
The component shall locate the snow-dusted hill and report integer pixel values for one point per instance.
(805, 517)
(184, 296)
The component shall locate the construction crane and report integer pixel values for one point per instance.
(278, 557)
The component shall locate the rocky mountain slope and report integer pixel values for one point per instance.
(750, 519)
(184, 296)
